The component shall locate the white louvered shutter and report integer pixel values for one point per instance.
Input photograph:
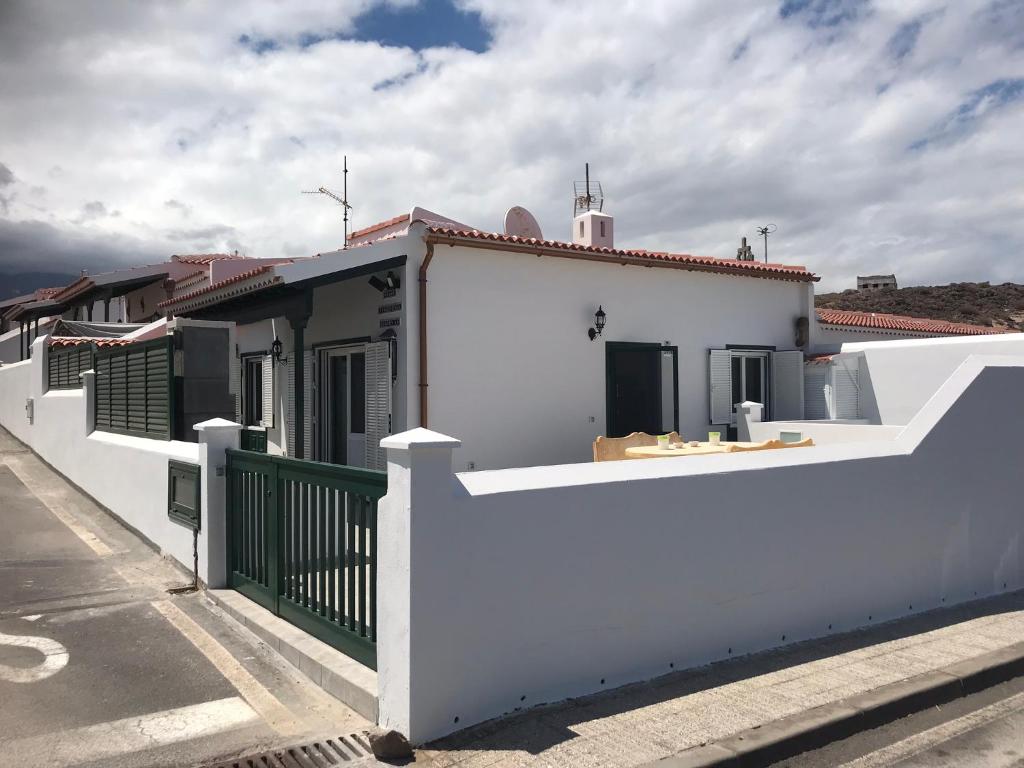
(236, 386)
(268, 392)
(378, 402)
(307, 377)
(787, 386)
(289, 373)
(846, 388)
(816, 391)
(720, 386)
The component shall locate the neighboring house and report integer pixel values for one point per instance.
(875, 282)
(424, 321)
(836, 327)
(22, 318)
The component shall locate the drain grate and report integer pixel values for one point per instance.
(316, 754)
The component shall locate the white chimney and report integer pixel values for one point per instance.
(593, 228)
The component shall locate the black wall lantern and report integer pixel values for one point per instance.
(275, 351)
(599, 321)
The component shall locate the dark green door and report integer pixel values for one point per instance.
(642, 388)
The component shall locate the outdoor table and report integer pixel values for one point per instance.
(702, 449)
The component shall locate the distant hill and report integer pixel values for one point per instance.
(20, 283)
(998, 306)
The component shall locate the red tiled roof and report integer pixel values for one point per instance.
(206, 258)
(818, 359)
(71, 289)
(221, 284)
(379, 225)
(74, 341)
(652, 258)
(882, 321)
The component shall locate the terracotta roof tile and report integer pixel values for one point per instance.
(240, 277)
(379, 225)
(206, 258)
(684, 260)
(882, 321)
(74, 341)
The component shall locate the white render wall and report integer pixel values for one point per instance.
(824, 432)
(514, 375)
(899, 377)
(127, 475)
(829, 338)
(507, 589)
(341, 311)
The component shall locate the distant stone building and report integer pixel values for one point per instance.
(874, 282)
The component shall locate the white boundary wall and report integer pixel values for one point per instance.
(505, 589)
(898, 377)
(127, 475)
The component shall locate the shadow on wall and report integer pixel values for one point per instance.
(521, 731)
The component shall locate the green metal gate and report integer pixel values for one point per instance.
(302, 542)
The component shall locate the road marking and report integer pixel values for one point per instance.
(263, 701)
(132, 734)
(55, 658)
(40, 492)
(920, 742)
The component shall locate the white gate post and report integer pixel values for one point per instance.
(410, 551)
(215, 437)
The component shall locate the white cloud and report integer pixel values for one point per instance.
(702, 120)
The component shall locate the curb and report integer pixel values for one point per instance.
(345, 679)
(815, 728)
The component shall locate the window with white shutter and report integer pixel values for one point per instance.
(267, 413)
(235, 386)
(817, 390)
(720, 385)
(378, 402)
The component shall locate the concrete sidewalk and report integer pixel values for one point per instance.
(690, 711)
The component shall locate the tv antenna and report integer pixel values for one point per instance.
(764, 232)
(343, 200)
(587, 194)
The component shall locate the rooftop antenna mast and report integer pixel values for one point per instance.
(587, 194)
(764, 232)
(343, 200)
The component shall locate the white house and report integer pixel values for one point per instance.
(424, 321)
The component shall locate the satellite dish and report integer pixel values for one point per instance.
(520, 222)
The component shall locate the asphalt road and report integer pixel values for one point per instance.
(985, 730)
(99, 665)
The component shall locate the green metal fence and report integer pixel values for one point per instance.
(302, 542)
(135, 389)
(64, 364)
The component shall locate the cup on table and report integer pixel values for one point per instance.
(663, 442)
(714, 438)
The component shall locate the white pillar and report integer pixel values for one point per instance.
(38, 384)
(746, 413)
(215, 437)
(88, 379)
(410, 576)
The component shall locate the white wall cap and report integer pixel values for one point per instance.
(594, 215)
(748, 403)
(213, 425)
(419, 438)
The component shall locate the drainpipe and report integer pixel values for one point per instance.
(21, 339)
(423, 334)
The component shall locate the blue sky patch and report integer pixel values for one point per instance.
(975, 107)
(258, 45)
(818, 14)
(427, 24)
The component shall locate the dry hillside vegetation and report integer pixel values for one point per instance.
(999, 306)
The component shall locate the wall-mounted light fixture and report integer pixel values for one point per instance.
(390, 282)
(599, 321)
(275, 351)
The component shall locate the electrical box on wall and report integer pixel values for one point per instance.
(184, 499)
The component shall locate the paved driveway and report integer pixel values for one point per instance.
(99, 665)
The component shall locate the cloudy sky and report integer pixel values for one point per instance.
(878, 136)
